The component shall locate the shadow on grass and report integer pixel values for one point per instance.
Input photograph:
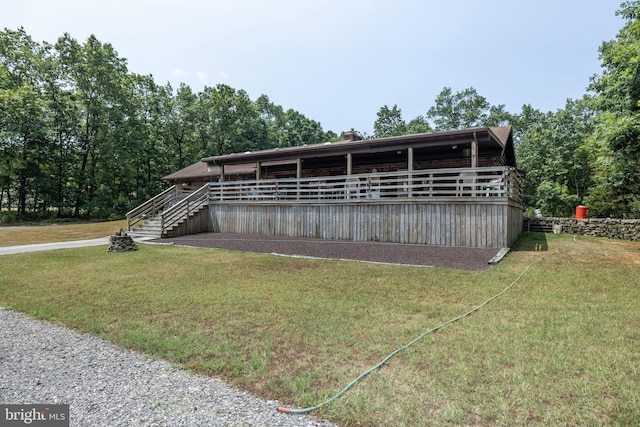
(530, 241)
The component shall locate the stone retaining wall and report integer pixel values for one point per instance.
(625, 229)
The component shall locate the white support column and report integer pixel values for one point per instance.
(349, 164)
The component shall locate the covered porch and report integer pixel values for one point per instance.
(457, 188)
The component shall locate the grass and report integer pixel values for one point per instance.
(26, 235)
(560, 347)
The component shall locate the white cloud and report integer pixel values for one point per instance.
(223, 74)
(178, 72)
(202, 76)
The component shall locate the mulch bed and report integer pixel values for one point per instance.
(393, 253)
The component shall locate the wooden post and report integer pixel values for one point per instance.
(221, 182)
(410, 170)
(298, 176)
(474, 153)
(258, 171)
(349, 163)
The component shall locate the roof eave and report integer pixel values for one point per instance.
(435, 139)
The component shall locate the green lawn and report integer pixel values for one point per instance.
(560, 347)
(26, 235)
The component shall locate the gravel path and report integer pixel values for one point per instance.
(107, 386)
(394, 253)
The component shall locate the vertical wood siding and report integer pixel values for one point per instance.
(199, 222)
(492, 224)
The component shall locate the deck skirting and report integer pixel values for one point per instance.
(476, 222)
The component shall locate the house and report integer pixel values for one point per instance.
(454, 188)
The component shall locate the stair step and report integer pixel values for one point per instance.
(152, 226)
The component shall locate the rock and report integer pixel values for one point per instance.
(121, 242)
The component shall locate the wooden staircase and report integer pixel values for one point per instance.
(151, 227)
(167, 214)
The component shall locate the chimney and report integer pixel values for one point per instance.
(351, 135)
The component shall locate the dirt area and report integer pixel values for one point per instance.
(434, 256)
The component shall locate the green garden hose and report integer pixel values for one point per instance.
(404, 347)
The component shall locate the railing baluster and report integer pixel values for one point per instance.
(416, 184)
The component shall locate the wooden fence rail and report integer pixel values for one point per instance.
(478, 182)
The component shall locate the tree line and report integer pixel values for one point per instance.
(82, 136)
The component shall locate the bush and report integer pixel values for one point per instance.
(8, 217)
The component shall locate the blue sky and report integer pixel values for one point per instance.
(339, 61)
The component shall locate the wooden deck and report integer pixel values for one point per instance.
(446, 207)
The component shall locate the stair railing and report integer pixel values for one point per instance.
(152, 206)
(183, 208)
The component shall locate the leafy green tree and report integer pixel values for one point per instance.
(181, 143)
(101, 89)
(271, 115)
(147, 127)
(525, 121)
(296, 129)
(23, 125)
(550, 151)
(64, 119)
(228, 121)
(418, 125)
(389, 122)
(289, 128)
(79, 133)
(465, 109)
(617, 138)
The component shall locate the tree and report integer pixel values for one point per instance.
(618, 122)
(389, 123)
(289, 128)
(78, 132)
(551, 152)
(228, 121)
(101, 88)
(64, 119)
(523, 122)
(180, 137)
(465, 109)
(147, 130)
(418, 125)
(23, 125)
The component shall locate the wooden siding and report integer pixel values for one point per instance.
(483, 223)
(199, 222)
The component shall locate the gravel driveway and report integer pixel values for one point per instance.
(434, 256)
(107, 386)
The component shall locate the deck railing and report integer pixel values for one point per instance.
(477, 182)
(194, 201)
(153, 206)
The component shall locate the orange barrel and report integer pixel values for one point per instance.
(581, 212)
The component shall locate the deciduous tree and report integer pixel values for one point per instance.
(617, 139)
(389, 122)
